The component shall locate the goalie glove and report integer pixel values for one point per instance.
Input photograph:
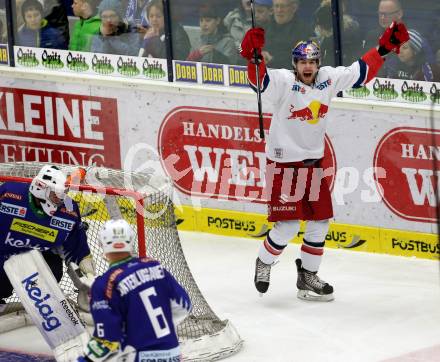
(392, 39)
(87, 268)
(82, 277)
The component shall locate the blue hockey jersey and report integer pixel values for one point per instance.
(134, 303)
(24, 226)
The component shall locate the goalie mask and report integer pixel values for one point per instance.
(117, 236)
(306, 50)
(49, 186)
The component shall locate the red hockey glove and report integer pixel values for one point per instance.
(253, 39)
(393, 37)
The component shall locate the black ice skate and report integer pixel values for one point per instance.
(262, 276)
(311, 287)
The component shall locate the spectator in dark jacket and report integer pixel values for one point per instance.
(55, 12)
(154, 39)
(284, 33)
(36, 31)
(411, 62)
(115, 36)
(216, 44)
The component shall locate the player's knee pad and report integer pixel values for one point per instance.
(284, 231)
(316, 231)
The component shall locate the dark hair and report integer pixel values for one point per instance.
(323, 16)
(31, 4)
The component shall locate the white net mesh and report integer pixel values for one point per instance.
(203, 336)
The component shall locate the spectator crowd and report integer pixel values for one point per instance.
(213, 30)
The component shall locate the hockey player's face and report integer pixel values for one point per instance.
(306, 70)
(56, 197)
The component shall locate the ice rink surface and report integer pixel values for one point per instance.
(386, 308)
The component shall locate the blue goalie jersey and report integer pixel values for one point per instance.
(24, 226)
(136, 303)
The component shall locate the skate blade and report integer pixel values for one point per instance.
(310, 296)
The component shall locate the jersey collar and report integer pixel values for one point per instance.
(119, 262)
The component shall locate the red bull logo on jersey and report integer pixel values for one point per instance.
(310, 114)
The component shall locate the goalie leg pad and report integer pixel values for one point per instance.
(43, 299)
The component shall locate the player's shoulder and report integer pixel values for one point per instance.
(327, 76)
(69, 209)
(148, 260)
(17, 191)
(281, 73)
(104, 284)
(326, 71)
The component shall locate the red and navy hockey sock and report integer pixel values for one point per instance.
(311, 255)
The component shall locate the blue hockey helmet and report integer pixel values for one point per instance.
(306, 50)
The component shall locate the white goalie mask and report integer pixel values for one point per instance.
(117, 236)
(49, 186)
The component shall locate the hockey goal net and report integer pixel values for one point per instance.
(144, 201)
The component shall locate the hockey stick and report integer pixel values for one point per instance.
(260, 111)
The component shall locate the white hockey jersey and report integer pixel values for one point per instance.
(300, 111)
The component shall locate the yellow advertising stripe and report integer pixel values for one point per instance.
(420, 245)
(344, 236)
(35, 230)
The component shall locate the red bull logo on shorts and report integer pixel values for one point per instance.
(311, 114)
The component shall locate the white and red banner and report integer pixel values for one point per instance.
(58, 127)
(407, 154)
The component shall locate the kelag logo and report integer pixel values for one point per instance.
(41, 303)
(57, 127)
(218, 153)
(407, 156)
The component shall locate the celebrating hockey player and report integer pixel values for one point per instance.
(136, 304)
(295, 148)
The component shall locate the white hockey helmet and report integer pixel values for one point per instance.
(117, 236)
(49, 186)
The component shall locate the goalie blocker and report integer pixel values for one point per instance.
(46, 304)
